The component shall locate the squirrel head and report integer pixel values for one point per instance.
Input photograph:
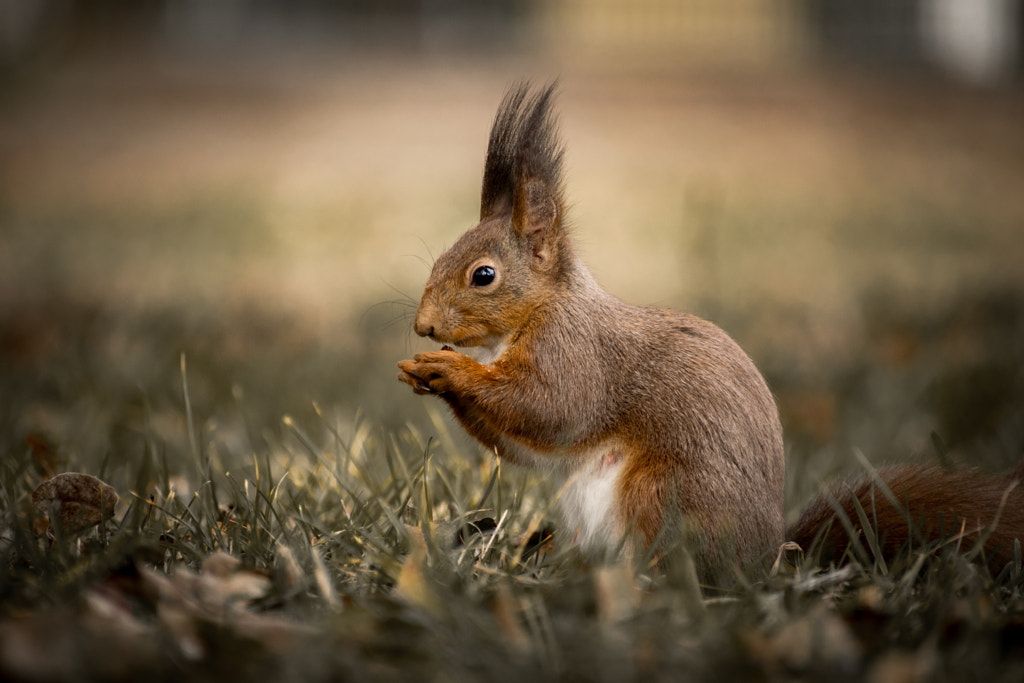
(487, 284)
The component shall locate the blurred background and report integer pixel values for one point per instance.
(261, 185)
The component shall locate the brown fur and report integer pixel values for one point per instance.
(934, 504)
(576, 375)
(695, 423)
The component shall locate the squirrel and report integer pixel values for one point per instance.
(657, 426)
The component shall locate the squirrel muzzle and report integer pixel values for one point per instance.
(422, 325)
(428, 318)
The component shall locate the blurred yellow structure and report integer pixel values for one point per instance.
(742, 32)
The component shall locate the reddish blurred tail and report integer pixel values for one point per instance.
(932, 504)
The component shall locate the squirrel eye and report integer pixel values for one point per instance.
(483, 276)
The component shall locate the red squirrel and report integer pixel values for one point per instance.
(658, 428)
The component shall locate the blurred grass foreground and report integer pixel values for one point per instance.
(215, 221)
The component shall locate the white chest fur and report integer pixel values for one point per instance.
(587, 499)
(589, 503)
(486, 354)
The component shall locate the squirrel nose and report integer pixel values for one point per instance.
(426, 314)
(423, 328)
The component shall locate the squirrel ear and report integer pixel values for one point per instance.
(535, 218)
(523, 171)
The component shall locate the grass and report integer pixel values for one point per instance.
(272, 524)
(287, 511)
(334, 548)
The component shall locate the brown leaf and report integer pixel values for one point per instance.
(83, 501)
(221, 565)
(820, 634)
(225, 583)
(903, 667)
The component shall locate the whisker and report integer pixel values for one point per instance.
(426, 247)
(403, 318)
(404, 298)
(406, 311)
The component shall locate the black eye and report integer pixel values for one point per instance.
(483, 276)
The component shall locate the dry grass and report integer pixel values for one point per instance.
(860, 238)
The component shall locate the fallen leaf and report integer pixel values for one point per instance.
(820, 635)
(82, 500)
(903, 667)
(221, 565)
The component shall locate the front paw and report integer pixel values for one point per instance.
(432, 372)
(407, 374)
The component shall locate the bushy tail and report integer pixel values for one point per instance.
(916, 505)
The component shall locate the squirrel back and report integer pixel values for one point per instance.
(655, 425)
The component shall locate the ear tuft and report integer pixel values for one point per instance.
(523, 167)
